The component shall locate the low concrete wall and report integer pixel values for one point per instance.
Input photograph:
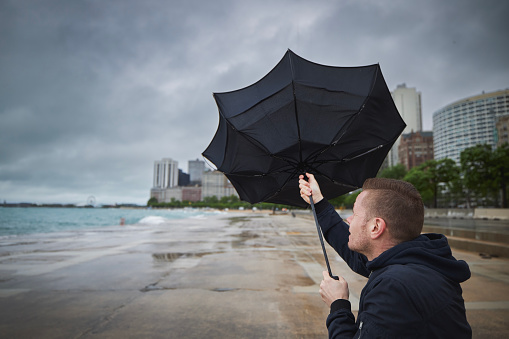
(449, 213)
(492, 213)
(468, 234)
(468, 213)
(487, 248)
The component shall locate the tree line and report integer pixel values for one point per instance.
(231, 202)
(479, 180)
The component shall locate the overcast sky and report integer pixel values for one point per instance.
(93, 91)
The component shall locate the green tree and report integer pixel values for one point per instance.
(433, 176)
(479, 173)
(350, 198)
(152, 201)
(501, 164)
(420, 179)
(232, 199)
(339, 201)
(441, 173)
(394, 172)
(176, 203)
(210, 200)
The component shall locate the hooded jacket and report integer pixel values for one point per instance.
(413, 290)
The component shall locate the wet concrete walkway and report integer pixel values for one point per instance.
(249, 275)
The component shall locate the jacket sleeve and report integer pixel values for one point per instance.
(336, 233)
(341, 321)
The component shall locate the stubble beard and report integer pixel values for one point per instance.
(361, 245)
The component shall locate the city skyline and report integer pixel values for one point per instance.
(93, 92)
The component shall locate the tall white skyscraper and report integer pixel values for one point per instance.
(408, 103)
(166, 173)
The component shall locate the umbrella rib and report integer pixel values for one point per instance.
(295, 109)
(349, 159)
(363, 154)
(292, 169)
(297, 119)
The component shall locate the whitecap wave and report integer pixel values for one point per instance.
(153, 220)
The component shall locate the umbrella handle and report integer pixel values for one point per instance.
(321, 239)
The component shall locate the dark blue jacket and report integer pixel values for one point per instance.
(413, 290)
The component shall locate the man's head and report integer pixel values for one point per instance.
(398, 203)
(386, 213)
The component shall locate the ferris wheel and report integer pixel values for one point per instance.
(91, 201)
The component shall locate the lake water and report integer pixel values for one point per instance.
(15, 221)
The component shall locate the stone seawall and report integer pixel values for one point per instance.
(468, 213)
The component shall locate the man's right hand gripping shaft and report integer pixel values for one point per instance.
(308, 187)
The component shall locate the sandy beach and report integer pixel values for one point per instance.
(235, 275)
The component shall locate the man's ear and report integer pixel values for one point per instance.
(378, 227)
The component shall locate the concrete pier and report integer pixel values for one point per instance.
(237, 275)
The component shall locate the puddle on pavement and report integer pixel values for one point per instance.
(154, 287)
(240, 239)
(171, 257)
(224, 289)
(235, 220)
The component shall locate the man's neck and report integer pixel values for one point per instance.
(380, 248)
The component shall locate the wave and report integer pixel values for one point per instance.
(153, 220)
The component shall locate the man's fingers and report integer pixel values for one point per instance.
(305, 189)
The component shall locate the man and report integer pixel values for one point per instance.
(413, 290)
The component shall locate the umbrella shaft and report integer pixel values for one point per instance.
(321, 239)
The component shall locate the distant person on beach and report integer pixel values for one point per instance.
(413, 288)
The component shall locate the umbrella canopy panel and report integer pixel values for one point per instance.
(335, 122)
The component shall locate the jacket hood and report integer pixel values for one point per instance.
(431, 250)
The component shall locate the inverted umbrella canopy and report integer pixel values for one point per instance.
(337, 123)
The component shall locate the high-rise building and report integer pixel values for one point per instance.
(468, 122)
(196, 169)
(502, 126)
(215, 183)
(183, 178)
(408, 103)
(415, 148)
(166, 173)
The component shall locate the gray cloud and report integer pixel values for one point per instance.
(94, 91)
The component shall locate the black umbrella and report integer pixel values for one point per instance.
(337, 123)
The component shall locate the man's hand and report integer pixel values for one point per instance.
(308, 187)
(332, 290)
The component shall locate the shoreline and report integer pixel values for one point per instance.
(26, 220)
